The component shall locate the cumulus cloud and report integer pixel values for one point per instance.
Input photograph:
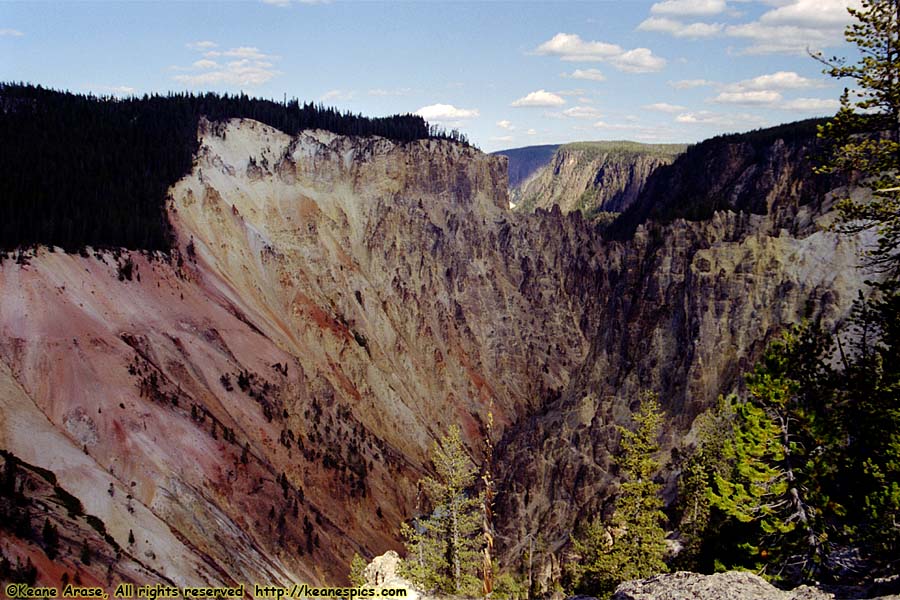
(752, 97)
(251, 68)
(688, 7)
(586, 74)
(811, 13)
(505, 124)
(705, 117)
(582, 112)
(795, 25)
(665, 107)
(821, 105)
(570, 47)
(639, 60)
(681, 30)
(539, 98)
(114, 90)
(782, 80)
(7, 32)
(446, 113)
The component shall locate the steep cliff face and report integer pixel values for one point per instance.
(593, 177)
(260, 406)
(523, 162)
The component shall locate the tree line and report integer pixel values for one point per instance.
(79, 170)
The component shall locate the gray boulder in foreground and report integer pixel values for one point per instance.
(732, 585)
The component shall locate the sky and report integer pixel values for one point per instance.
(507, 74)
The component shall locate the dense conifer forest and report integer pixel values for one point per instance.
(708, 176)
(79, 170)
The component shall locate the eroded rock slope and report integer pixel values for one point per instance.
(260, 406)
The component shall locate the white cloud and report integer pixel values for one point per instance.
(794, 26)
(782, 80)
(705, 117)
(582, 112)
(665, 107)
(504, 124)
(811, 13)
(686, 84)
(114, 90)
(539, 98)
(531, 132)
(688, 7)
(7, 32)
(639, 60)
(586, 74)
(250, 52)
(446, 113)
(570, 47)
(681, 30)
(202, 45)
(820, 105)
(337, 96)
(253, 67)
(752, 97)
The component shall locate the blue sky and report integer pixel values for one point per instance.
(508, 74)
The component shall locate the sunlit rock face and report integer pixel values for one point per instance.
(260, 406)
(592, 177)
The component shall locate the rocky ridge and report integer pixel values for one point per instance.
(335, 304)
(592, 177)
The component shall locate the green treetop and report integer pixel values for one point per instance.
(632, 545)
(443, 548)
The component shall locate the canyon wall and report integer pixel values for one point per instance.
(260, 405)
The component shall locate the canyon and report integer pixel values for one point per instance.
(259, 404)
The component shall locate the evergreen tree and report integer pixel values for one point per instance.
(357, 574)
(865, 139)
(51, 539)
(697, 521)
(783, 446)
(633, 545)
(443, 548)
(865, 133)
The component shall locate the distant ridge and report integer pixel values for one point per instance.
(596, 178)
(523, 162)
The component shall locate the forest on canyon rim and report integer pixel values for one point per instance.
(796, 475)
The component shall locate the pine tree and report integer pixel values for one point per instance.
(865, 140)
(782, 449)
(697, 522)
(633, 545)
(443, 548)
(357, 574)
(865, 133)
(51, 539)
